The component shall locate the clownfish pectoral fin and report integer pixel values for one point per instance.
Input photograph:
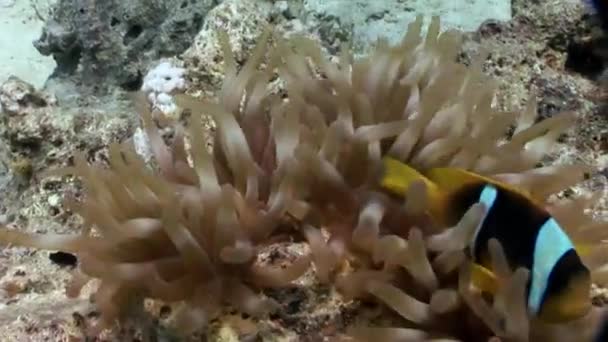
(397, 178)
(451, 179)
(583, 248)
(483, 279)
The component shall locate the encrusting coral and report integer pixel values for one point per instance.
(191, 231)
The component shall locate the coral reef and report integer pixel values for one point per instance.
(306, 164)
(244, 20)
(112, 43)
(531, 52)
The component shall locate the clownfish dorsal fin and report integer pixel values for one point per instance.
(397, 177)
(450, 179)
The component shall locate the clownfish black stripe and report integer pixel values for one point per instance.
(509, 219)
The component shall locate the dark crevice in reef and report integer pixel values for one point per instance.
(586, 47)
(587, 58)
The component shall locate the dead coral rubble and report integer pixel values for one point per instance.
(190, 232)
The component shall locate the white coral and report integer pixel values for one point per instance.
(160, 83)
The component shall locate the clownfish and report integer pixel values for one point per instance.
(559, 284)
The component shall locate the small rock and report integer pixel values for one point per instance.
(112, 42)
(490, 28)
(223, 333)
(288, 9)
(54, 200)
(555, 96)
(18, 97)
(243, 20)
(14, 287)
(161, 82)
(142, 144)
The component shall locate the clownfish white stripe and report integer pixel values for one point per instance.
(551, 244)
(487, 198)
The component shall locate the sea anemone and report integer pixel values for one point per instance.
(414, 102)
(191, 231)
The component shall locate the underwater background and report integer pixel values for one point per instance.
(68, 69)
